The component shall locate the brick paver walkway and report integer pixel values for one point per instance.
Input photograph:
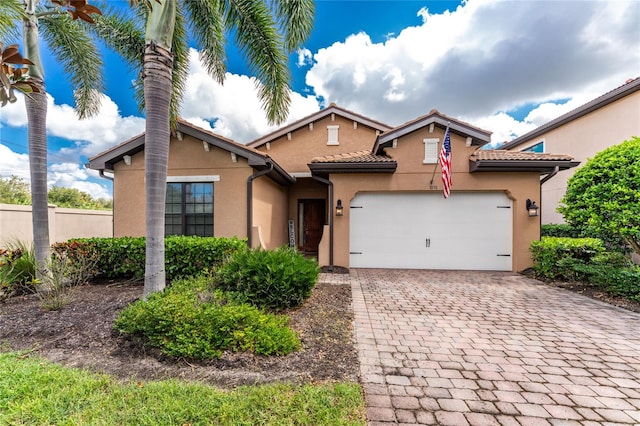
(487, 348)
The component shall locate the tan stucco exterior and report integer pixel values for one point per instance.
(412, 175)
(582, 137)
(270, 207)
(277, 172)
(294, 150)
(187, 157)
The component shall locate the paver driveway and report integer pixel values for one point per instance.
(487, 348)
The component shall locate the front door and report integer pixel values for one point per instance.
(312, 214)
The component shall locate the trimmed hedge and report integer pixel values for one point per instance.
(553, 256)
(124, 257)
(270, 279)
(585, 259)
(191, 319)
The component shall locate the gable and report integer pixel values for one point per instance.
(330, 135)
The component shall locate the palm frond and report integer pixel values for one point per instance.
(72, 46)
(296, 21)
(122, 32)
(208, 30)
(259, 40)
(10, 19)
(119, 31)
(180, 72)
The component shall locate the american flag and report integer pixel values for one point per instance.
(445, 164)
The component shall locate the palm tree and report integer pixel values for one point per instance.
(72, 47)
(265, 31)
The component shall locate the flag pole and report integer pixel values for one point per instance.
(436, 166)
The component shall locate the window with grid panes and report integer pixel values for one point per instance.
(189, 209)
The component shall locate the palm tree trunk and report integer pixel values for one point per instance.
(158, 62)
(36, 105)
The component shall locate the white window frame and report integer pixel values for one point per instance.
(332, 135)
(430, 150)
(193, 179)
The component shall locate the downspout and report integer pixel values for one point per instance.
(550, 175)
(113, 203)
(555, 171)
(330, 212)
(250, 198)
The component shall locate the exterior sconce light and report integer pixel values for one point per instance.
(339, 208)
(532, 208)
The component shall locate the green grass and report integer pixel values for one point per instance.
(36, 392)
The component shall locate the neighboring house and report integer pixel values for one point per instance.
(605, 121)
(351, 190)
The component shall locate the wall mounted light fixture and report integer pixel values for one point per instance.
(339, 208)
(532, 208)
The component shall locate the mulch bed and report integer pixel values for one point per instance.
(81, 335)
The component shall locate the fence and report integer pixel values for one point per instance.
(64, 224)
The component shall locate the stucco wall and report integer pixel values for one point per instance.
(64, 224)
(412, 175)
(270, 206)
(186, 158)
(583, 138)
(305, 143)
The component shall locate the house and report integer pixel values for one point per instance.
(605, 121)
(351, 190)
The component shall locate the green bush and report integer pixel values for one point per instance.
(270, 279)
(555, 257)
(191, 319)
(17, 269)
(124, 257)
(559, 230)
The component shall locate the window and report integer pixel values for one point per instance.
(189, 209)
(430, 151)
(332, 135)
(539, 147)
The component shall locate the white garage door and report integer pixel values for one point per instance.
(469, 231)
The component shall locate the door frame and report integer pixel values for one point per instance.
(303, 205)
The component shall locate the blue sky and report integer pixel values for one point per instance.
(505, 66)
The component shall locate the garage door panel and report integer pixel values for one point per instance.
(424, 230)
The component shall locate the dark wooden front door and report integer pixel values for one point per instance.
(313, 215)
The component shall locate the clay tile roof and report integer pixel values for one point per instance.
(503, 155)
(354, 157)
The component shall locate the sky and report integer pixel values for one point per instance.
(504, 66)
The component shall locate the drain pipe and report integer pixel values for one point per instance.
(113, 202)
(250, 180)
(330, 211)
(550, 175)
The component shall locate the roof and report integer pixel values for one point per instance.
(353, 162)
(620, 92)
(479, 137)
(256, 159)
(331, 109)
(492, 160)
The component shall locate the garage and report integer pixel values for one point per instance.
(419, 230)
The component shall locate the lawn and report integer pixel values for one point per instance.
(34, 391)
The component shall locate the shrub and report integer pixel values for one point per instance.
(559, 230)
(556, 257)
(271, 279)
(191, 319)
(17, 269)
(124, 257)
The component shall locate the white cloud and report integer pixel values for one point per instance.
(91, 135)
(483, 58)
(305, 57)
(233, 106)
(13, 164)
(71, 175)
